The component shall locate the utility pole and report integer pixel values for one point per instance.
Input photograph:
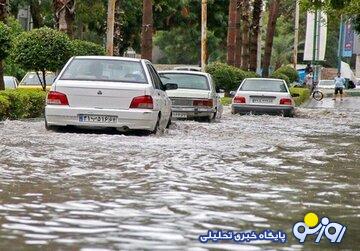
(259, 47)
(341, 41)
(147, 30)
(203, 34)
(315, 45)
(110, 27)
(296, 37)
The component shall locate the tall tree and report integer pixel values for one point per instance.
(35, 11)
(231, 36)
(147, 30)
(117, 29)
(245, 34)
(238, 46)
(65, 15)
(255, 28)
(273, 16)
(3, 15)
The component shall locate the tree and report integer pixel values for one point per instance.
(245, 34)
(65, 15)
(255, 28)
(5, 46)
(147, 30)
(231, 37)
(42, 50)
(238, 45)
(273, 16)
(85, 48)
(35, 11)
(117, 29)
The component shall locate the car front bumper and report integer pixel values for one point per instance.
(192, 112)
(141, 119)
(262, 109)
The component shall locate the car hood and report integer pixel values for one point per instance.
(188, 93)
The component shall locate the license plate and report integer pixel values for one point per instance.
(179, 115)
(262, 100)
(97, 119)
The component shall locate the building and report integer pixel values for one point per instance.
(24, 17)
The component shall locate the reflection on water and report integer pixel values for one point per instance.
(110, 191)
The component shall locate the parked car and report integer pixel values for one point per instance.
(326, 84)
(115, 92)
(10, 82)
(187, 68)
(263, 95)
(31, 80)
(196, 96)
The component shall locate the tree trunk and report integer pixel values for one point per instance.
(231, 36)
(117, 29)
(3, 15)
(147, 30)
(255, 28)
(36, 14)
(245, 34)
(273, 16)
(238, 46)
(65, 15)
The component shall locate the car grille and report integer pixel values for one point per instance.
(182, 101)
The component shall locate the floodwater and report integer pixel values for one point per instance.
(107, 191)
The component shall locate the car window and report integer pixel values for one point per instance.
(263, 85)
(105, 70)
(155, 78)
(32, 79)
(186, 81)
(9, 82)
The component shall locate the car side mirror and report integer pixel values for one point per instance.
(171, 86)
(232, 93)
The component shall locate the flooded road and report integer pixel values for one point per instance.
(107, 191)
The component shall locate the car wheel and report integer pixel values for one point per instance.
(289, 114)
(169, 121)
(157, 126)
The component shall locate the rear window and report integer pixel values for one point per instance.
(32, 79)
(105, 70)
(263, 85)
(186, 81)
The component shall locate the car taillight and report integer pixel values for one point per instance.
(142, 102)
(203, 102)
(285, 101)
(239, 100)
(56, 98)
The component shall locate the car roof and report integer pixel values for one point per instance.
(109, 58)
(264, 79)
(186, 72)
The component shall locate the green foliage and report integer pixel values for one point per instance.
(225, 101)
(84, 48)
(22, 103)
(281, 76)
(42, 49)
(302, 93)
(5, 41)
(289, 71)
(228, 77)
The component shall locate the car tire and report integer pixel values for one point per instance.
(51, 128)
(157, 126)
(289, 114)
(169, 122)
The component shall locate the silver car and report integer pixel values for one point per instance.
(10, 82)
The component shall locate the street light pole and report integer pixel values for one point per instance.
(296, 38)
(110, 28)
(341, 41)
(203, 34)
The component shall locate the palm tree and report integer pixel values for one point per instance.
(117, 29)
(65, 15)
(273, 16)
(231, 37)
(147, 30)
(255, 28)
(3, 14)
(238, 46)
(35, 11)
(245, 34)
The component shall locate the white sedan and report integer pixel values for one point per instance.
(115, 92)
(196, 96)
(263, 95)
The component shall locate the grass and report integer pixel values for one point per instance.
(225, 101)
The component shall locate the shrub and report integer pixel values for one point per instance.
(290, 72)
(42, 50)
(304, 94)
(228, 77)
(84, 48)
(22, 103)
(281, 76)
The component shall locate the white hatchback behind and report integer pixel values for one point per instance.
(115, 92)
(263, 96)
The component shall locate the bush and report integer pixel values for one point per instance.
(302, 92)
(22, 103)
(84, 48)
(228, 77)
(281, 76)
(290, 72)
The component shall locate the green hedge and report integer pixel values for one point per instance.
(85, 48)
(303, 92)
(281, 76)
(22, 103)
(290, 72)
(228, 77)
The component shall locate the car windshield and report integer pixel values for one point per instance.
(32, 79)
(9, 82)
(105, 70)
(259, 85)
(326, 82)
(186, 81)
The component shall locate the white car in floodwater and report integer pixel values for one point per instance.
(113, 92)
(196, 96)
(263, 96)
